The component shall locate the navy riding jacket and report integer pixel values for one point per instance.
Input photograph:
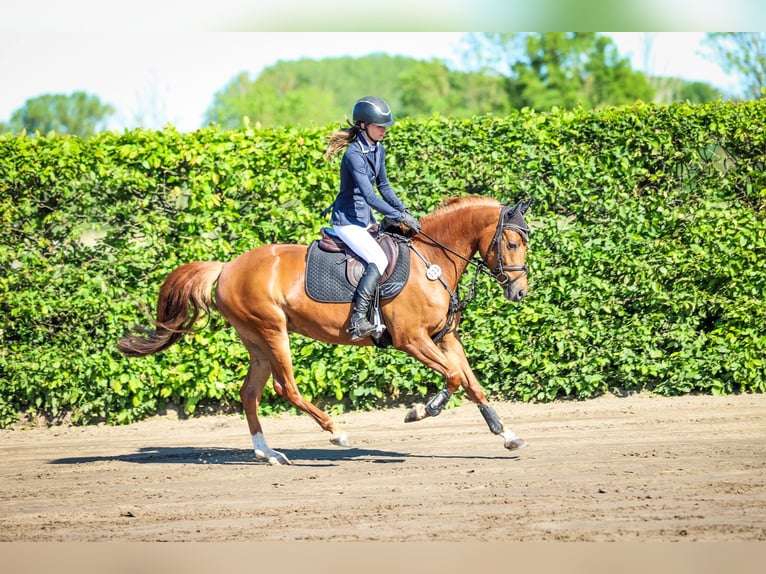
(362, 168)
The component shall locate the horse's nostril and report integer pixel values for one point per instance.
(521, 294)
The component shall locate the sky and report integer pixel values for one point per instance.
(153, 79)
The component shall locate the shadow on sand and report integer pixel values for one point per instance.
(232, 456)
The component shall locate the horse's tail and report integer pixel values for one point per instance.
(185, 294)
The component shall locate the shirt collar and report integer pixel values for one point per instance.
(366, 147)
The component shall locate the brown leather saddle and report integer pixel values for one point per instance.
(355, 266)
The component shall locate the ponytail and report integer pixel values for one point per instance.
(341, 139)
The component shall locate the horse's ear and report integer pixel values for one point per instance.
(524, 205)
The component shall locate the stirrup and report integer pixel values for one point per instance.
(362, 329)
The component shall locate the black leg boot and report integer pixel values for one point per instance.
(360, 325)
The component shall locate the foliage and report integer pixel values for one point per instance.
(307, 92)
(743, 53)
(557, 69)
(697, 93)
(510, 70)
(645, 257)
(548, 69)
(431, 87)
(78, 113)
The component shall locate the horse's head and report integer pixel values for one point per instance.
(508, 249)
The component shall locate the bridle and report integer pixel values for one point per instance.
(500, 273)
(501, 270)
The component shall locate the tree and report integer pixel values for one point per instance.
(742, 54)
(78, 114)
(431, 87)
(608, 78)
(557, 68)
(698, 93)
(234, 102)
(425, 89)
(307, 91)
(267, 106)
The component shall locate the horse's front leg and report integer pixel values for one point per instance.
(461, 374)
(453, 348)
(425, 351)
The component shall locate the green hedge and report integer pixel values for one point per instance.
(646, 257)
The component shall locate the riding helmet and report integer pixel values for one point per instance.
(373, 110)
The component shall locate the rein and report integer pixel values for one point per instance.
(499, 273)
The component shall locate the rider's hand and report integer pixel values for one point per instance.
(410, 221)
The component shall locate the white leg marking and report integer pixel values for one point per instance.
(512, 442)
(416, 413)
(263, 452)
(340, 439)
(509, 435)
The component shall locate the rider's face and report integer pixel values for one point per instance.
(376, 133)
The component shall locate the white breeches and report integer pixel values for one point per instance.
(363, 244)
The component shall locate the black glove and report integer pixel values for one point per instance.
(388, 222)
(410, 221)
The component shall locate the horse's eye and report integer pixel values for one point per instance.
(512, 245)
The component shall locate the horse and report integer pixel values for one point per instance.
(262, 295)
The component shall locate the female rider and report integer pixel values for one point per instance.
(361, 170)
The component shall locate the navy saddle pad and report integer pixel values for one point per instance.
(329, 275)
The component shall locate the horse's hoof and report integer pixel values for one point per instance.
(273, 457)
(417, 413)
(340, 440)
(516, 444)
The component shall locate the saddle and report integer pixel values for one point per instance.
(333, 270)
(355, 266)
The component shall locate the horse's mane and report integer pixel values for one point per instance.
(451, 204)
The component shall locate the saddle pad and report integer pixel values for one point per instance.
(326, 280)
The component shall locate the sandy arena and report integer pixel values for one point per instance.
(643, 468)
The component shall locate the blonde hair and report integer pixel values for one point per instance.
(340, 139)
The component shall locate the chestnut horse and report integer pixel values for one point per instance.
(261, 294)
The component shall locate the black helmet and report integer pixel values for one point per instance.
(373, 110)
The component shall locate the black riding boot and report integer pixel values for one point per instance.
(360, 325)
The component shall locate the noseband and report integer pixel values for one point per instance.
(514, 223)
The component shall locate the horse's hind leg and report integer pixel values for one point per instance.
(250, 393)
(285, 386)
